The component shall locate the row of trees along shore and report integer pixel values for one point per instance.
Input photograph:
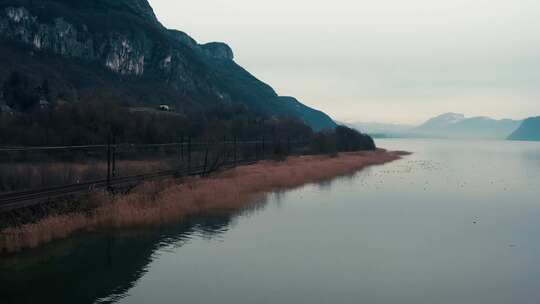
(37, 118)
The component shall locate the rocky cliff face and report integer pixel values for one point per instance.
(218, 50)
(123, 52)
(60, 37)
(103, 38)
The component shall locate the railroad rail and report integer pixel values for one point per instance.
(21, 199)
(227, 154)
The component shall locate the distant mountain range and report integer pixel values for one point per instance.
(455, 125)
(448, 125)
(529, 130)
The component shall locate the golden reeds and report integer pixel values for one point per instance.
(153, 203)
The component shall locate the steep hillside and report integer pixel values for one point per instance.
(90, 50)
(454, 125)
(529, 130)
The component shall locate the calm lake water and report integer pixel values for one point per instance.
(456, 222)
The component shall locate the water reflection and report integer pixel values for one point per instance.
(456, 222)
(100, 267)
(346, 179)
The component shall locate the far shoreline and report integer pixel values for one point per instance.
(167, 201)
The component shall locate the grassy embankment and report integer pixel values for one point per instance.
(154, 203)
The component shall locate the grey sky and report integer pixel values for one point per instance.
(385, 60)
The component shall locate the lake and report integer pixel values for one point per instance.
(456, 222)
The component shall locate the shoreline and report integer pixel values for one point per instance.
(167, 201)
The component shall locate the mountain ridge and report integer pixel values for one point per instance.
(448, 125)
(121, 52)
(529, 130)
(457, 125)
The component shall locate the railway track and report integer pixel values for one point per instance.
(22, 199)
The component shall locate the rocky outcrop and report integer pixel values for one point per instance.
(218, 50)
(124, 37)
(120, 53)
(184, 39)
(124, 57)
(60, 37)
(214, 50)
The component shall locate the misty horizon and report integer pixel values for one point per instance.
(364, 61)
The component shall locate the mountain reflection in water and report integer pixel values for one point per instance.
(100, 267)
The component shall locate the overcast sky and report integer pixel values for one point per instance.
(396, 61)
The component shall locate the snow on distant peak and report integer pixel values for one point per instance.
(451, 117)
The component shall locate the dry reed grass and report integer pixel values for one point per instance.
(154, 203)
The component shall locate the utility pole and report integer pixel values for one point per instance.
(205, 160)
(109, 161)
(235, 152)
(182, 148)
(189, 156)
(263, 148)
(113, 170)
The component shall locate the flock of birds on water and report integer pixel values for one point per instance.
(440, 178)
(427, 177)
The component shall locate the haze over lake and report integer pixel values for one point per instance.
(388, 61)
(456, 222)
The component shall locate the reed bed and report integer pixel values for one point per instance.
(155, 203)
